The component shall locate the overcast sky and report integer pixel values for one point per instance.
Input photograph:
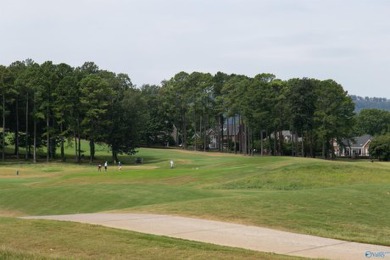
(152, 40)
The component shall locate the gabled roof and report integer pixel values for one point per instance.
(358, 142)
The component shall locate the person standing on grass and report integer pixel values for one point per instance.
(105, 166)
(100, 167)
(119, 165)
(171, 163)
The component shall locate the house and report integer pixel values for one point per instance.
(354, 147)
(230, 132)
(287, 136)
(213, 139)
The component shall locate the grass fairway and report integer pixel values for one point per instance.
(336, 199)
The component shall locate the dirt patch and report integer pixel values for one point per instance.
(24, 175)
(10, 213)
(139, 167)
(183, 161)
(212, 154)
(180, 180)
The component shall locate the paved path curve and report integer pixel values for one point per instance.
(234, 235)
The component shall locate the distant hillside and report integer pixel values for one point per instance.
(370, 102)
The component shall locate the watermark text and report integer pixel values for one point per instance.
(379, 254)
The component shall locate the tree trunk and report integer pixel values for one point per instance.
(114, 156)
(275, 152)
(92, 150)
(311, 146)
(241, 135)
(195, 142)
(184, 131)
(227, 135)
(77, 140)
(249, 143)
(35, 141)
(261, 143)
(205, 136)
(48, 136)
(280, 142)
(62, 144)
(235, 134)
(79, 148)
(27, 133)
(17, 129)
(221, 133)
(303, 146)
(292, 142)
(75, 148)
(3, 137)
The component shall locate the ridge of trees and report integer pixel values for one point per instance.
(49, 105)
(370, 103)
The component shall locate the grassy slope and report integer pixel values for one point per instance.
(37, 239)
(347, 200)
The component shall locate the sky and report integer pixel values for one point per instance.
(152, 40)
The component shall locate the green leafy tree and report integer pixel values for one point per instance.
(380, 147)
(373, 122)
(200, 89)
(234, 98)
(35, 83)
(334, 115)
(220, 110)
(48, 83)
(302, 102)
(280, 114)
(124, 114)
(126, 134)
(24, 83)
(158, 122)
(178, 98)
(16, 70)
(66, 105)
(95, 99)
(262, 100)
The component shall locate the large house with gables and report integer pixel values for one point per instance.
(355, 147)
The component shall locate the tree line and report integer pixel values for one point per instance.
(52, 105)
(315, 112)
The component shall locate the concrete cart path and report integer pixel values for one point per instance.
(229, 234)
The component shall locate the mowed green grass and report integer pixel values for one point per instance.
(38, 239)
(347, 200)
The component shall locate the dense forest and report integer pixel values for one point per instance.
(48, 106)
